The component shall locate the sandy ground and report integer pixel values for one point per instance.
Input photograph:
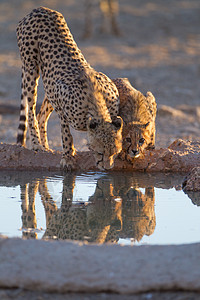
(158, 50)
(69, 267)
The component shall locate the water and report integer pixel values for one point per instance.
(125, 208)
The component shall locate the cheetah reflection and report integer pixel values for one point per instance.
(138, 214)
(117, 209)
(28, 194)
(29, 224)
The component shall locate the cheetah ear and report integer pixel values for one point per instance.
(117, 122)
(93, 123)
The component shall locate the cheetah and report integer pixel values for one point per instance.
(109, 10)
(138, 113)
(82, 97)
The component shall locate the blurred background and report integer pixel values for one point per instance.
(155, 44)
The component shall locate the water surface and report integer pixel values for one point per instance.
(125, 208)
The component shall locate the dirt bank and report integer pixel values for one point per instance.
(181, 156)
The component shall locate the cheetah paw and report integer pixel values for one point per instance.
(122, 155)
(38, 147)
(68, 164)
(48, 150)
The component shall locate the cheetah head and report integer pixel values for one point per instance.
(137, 137)
(105, 140)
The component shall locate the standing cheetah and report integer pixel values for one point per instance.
(109, 11)
(82, 97)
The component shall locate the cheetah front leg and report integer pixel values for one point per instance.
(68, 161)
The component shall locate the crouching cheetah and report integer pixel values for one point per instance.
(138, 113)
(83, 98)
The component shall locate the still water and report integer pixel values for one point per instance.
(124, 208)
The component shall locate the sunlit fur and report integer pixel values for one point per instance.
(138, 113)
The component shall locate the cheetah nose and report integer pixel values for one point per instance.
(135, 153)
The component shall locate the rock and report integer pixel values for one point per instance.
(192, 180)
(194, 196)
(181, 145)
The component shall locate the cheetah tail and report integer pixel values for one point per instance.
(22, 129)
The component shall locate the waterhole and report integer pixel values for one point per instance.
(123, 208)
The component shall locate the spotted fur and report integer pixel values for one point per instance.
(82, 97)
(138, 113)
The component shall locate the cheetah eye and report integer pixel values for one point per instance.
(128, 140)
(141, 141)
(93, 124)
(117, 122)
